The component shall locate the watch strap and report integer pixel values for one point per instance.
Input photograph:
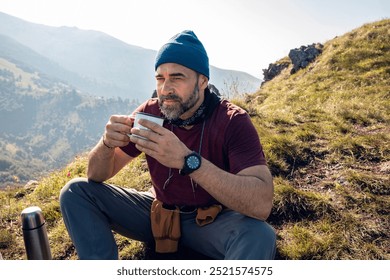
(186, 170)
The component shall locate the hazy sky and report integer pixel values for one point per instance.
(243, 35)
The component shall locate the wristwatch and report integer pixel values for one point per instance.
(192, 162)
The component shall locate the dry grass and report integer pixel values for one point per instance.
(325, 131)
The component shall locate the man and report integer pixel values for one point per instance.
(212, 190)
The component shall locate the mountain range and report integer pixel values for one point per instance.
(58, 87)
(94, 62)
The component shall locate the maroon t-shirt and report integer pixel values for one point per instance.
(230, 141)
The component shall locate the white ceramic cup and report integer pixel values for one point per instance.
(146, 116)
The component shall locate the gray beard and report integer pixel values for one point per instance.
(173, 112)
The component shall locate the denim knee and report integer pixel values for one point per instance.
(262, 235)
(70, 187)
(256, 229)
(253, 239)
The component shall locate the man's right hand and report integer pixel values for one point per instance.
(117, 130)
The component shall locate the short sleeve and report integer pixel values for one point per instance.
(243, 144)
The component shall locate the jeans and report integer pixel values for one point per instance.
(92, 210)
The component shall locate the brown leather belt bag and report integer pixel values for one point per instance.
(166, 224)
(165, 227)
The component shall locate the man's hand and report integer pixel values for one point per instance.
(161, 144)
(116, 131)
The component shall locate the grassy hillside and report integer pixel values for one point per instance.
(325, 131)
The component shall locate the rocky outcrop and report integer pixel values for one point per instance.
(302, 57)
(273, 70)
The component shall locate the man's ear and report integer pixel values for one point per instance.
(203, 82)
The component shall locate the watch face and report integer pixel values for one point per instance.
(193, 162)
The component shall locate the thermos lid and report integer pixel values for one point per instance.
(32, 217)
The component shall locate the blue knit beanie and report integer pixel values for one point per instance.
(185, 49)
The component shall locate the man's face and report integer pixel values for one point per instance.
(177, 90)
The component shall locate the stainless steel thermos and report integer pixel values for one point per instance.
(34, 234)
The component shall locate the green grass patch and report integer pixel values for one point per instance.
(325, 132)
(292, 204)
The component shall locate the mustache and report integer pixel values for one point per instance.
(169, 97)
